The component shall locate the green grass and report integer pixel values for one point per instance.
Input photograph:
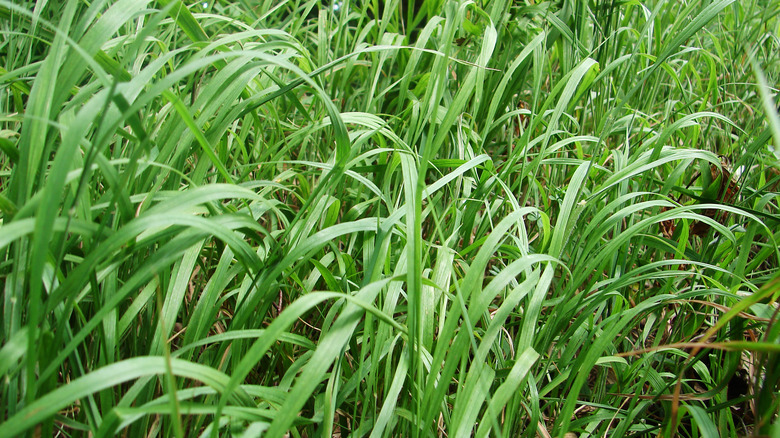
(473, 218)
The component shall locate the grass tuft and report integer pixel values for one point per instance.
(405, 218)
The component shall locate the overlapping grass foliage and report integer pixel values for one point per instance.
(465, 218)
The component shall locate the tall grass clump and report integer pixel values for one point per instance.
(403, 218)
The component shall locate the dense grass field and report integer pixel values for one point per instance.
(365, 218)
